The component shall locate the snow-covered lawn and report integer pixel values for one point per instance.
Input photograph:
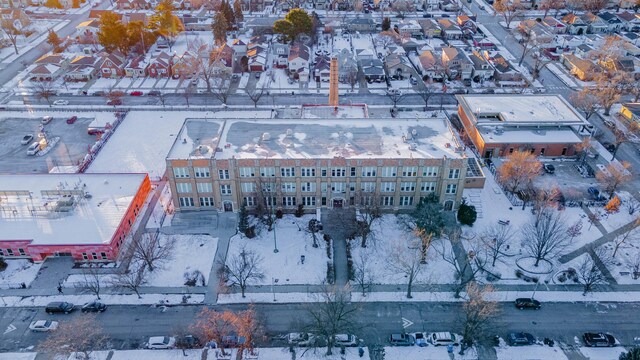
(318, 354)
(616, 220)
(285, 266)
(157, 355)
(163, 211)
(428, 352)
(627, 257)
(602, 353)
(267, 297)
(533, 352)
(147, 299)
(18, 356)
(18, 271)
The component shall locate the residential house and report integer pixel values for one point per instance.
(82, 68)
(19, 17)
(252, 5)
(431, 5)
(398, 67)
(630, 49)
(631, 38)
(160, 65)
(53, 59)
(240, 54)
(450, 31)
(87, 31)
(482, 69)
(596, 25)
(430, 28)
(184, 66)
(111, 65)
(467, 24)
(44, 72)
(135, 16)
(361, 25)
(365, 53)
(136, 67)
(225, 60)
(298, 60)
(612, 20)
(257, 54)
(347, 66)
(505, 73)
(430, 65)
(554, 25)
(456, 63)
(409, 28)
(536, 31)
(580, 68)
(631, 111)
(583, 51)
(281, 54)
(322, 4)
(321, 69)
(260, 24)
(449, 5)
(623, 64)
(575, 24)
(373, 70)
(412, 44)
(630, 21)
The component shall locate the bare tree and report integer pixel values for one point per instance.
(406, 259)
(113, 94)
(369, 211)
(242, 269)
(332, 314)
(614, 176)
(631, 235)
(608, 89)
(588, 271)
(632, 205)
(575, 230)
(477, 313)
(313, 228)
(466, 267)
(352, 77)
(188, 91)
(162, 97)
(131, 279)
(80, 335)
(540, 61)
(583, 148)
(585, 101)
(426, 90)
(150, 251)
(548, 5)
(402, 7)
(363, 273)
(508, 9)
(222, 88)
(256, 94)
(545, 235)
(13, 29)
(44, 90)
(91, 281)
(497, 239)
(518, 171)
(530, 41)
(205, 62)
(395, 97)
(267, 191)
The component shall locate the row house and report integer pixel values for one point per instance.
(409, 28)
(257, 54)
(430, 66)
(575, 24)
(136, 67)
(281, 55)
(111, 65)
(467, 24)
(482, 69)
(82, 68)
(505, 74)
(630, 21)
(456, 63)
(322, 68)
(596, 25)
(373, 70)
(450, 31)
(430, 28)
(398, 67)
(614, 24)
(298, 61)
(160, 65)
(554, 25)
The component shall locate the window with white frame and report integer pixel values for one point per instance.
(181, 172)
(352, 171)
(206, 201)
(430, 171)
(451, 189)
(202, 172)
(406, 200)
(369, 171)
(338, 172)
(410, 171)
(185, 201)
(249, 200)
(182, 188)
(289, 201)
(287, 171)
(307, 172)
(454, 173)
(268, 187)
(225, 189)
(407, 186)
(368, 186)
(204, 187)
(388, 186)
(247, 172)
(270, 201)
(248, 187)
(338, 187)
(288, 187)
(389, 171)
(309, 200)
(386, 201)
(352, 186)
(323, 187)
(323, 172)
(267, 171)
(308, 187)
(223, 174)
(428, 186)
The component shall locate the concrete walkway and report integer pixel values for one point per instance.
(339, 250)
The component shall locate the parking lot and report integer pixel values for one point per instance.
(567, 178)
(70, 149)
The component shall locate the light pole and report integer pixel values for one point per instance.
(275, 238)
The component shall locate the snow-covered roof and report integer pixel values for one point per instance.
(358, 138)
(39, 207)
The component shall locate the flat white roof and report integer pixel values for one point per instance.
(48, 217)
(529, 136)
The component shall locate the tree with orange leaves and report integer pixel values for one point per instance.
(518, 171)
(248, 326)
(613, 176)
(214, 325)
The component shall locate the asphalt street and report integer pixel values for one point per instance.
(130, 326)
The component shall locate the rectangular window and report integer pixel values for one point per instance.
(389, 171)
(182, 188)
(94, 256)
(387, 201)
(247, 172)
(368, 186)
(248, 187)
(288, 187)
(510, 150)
(323, 172)
(352, 186)
(201, 172)
(338, 172)
(323, 187)
(324, 201)
(406, 200)
(430, 171)
(307, 172)
(289, 201)
(288, 172)
(369, 171)
(407, 186)
(410, 171)
(181, 172)
(268, 187)
(270, 201)
(267, 171)
(225, 189)
(451, 188)
(308, 187)
(249, 201)
(428, 186)
(542, 152)
(206, 201)
(85, 256)
(204, 187)
(454, 173)
(388, 187)
(1, 252)
(186, 201)
(309, 200)
(223, 174)
(352, 172)
(338, 187)
(103, 255)
(21, 252)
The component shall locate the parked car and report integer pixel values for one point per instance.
(46, 119)
(136, 93)
(61, 102)
(548, 168)
(189, 342)
(33, 148)
(633, 138)
(161, 342)
(301, 339)
(422, 338)
(26, 139)
(527, 303)
(521, 338)
(257, 75)
(231, 341)
(72, 120)
(444, 338)
(608, 123)
(599, 339)
(94, 306)
(345, 340)
(43, 325)
(595, 194)
(413, 81)
(98, 93)
(59, 307)
(401, 340)
(154, 93)
(114, 102)
(391, 92)
(609, 146)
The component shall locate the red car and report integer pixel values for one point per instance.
(136, 93)
(72, 120)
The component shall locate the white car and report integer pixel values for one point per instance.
(392, 92)
(444, 338)
(161, 342)
(33, 148)
(43, 325)
(345, 340)
(633, 138)
(301, 339)
(61, 102)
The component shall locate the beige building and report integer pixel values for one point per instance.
(220, 164)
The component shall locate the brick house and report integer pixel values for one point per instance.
(111, 65)
(160, 65)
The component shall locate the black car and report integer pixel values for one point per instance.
(520, 338)
(59, 307)
(527, 303)
(599, 339)
(188, 342)
(549, 169)
(154, 93)
(595, 194)
(94, 306)
(401, 340)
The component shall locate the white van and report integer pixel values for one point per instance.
(33, 148)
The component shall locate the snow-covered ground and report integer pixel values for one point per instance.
(615, 220)
(163, 211)
(18, 271)
(318, 354)
(533, 352)
(428, 352)
(285, 266)
(147, 299)
(157, 355)
(602, 353)
(18, 356)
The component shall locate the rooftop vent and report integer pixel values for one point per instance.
(289, 133)
(413, 146)
(266, 136)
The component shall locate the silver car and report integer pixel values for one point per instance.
(33, 148)
(43, 325)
